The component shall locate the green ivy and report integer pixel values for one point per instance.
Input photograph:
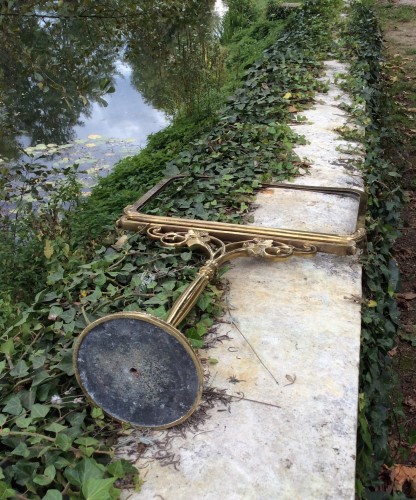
(380, 316)
(54, 445)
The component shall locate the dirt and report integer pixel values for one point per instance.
(399, 2)
(400, 36)
(405, 2)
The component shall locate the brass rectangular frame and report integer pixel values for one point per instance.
(338, 244)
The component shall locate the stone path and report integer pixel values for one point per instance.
(289, 355)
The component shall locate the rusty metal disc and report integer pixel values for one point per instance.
(138, 369)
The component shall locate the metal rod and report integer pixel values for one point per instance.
(218, 254)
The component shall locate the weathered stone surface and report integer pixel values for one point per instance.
(291, 357)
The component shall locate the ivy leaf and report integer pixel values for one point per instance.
(121, 468)
(38, 361)
(56, 276)
(39, 410)
(97, 413)
(21, 450)
(13, 406)
(53, 495)
(55, 312)
(20, 369)
(87, 468)
(50, 296)
(7, 347)
(93, 297)
(23, 422)
(66, 364)
(204, 301)
(98, 489)
(47, 477)
(169, 285)
(158, 299)
(88, 445)
(5, 491)
(68, 315)
(40, 377)
(23, 471)
(186, 256)
(63, 441)
(128, 267)
(55, 427)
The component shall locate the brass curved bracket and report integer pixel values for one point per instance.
(218, 253)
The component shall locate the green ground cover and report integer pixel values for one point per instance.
(374, 108)
(53, 442)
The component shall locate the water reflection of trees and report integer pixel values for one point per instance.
(50, 71)
(176, 57)
(56, 58)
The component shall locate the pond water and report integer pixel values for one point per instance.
(127, 115)
(89, 86)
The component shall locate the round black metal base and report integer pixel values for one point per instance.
(138, 369)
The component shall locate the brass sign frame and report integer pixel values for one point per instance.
(339, 244)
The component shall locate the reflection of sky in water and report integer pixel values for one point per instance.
(220, 8)
(126, 116)
(123, 126)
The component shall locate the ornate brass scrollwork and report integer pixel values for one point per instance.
(218, 253)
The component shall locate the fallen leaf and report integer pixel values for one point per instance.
(121, 241)
(48, 249)
(409, 401)
(392, 352)
(404, 477)
(411, 110)
(288, 95)
(292, 109)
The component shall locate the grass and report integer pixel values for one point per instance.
(246, 46)
(400, 64)
(394, 12)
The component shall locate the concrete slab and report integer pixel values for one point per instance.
(325, 149)
(306, 211)
(287, 354)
